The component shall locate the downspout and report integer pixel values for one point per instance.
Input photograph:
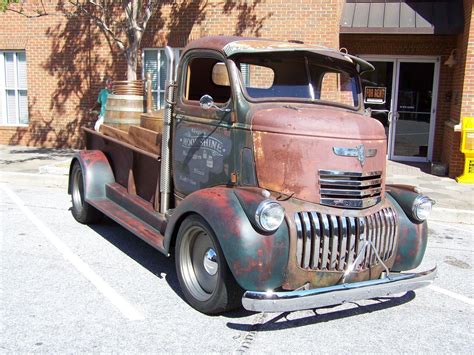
(165, 178)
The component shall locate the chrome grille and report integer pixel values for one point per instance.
(326, 242)
(350, 189)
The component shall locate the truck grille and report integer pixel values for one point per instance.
(350, 189)
(326, 242)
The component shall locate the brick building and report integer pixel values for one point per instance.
(52, 67)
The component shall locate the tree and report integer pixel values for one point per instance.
(122, 22)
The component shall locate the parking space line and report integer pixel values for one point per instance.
(103, 287)
(449, 225)
(452, 294)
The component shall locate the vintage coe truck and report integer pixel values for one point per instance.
(268, 182)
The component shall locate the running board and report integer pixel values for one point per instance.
(136, 205)
(130, 222)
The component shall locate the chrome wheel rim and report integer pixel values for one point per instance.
(199, 263)
(78, 190)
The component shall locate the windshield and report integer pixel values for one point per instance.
(299, 76)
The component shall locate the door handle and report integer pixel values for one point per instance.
(393, 116)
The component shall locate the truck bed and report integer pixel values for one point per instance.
(136, 169)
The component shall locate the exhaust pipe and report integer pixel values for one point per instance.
(165, 178)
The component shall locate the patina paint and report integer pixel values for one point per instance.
(412, 240)
(258, 261)
(96, 173)
(292, 145)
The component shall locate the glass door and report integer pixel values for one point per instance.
(378, 88)
(401, 94)
(411, 131)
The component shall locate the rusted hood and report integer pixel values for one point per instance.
(293, 146)
(312, 120)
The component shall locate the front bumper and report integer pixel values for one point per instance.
(327, 296)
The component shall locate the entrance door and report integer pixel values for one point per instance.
(402, 95)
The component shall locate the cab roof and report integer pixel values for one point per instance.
(232, 45)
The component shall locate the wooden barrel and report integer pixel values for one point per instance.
(122, 111)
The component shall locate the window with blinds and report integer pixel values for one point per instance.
(13, 88)
(155, 62)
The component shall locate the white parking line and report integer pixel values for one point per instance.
(449, 225)
(118, 301)
(452, 294)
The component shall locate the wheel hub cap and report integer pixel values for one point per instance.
(210, 262)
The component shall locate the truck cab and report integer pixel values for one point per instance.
(270, 186)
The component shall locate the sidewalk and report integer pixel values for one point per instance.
(50, 168)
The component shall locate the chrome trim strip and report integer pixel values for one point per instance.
(316, 240)
(299, 239)
(332, 295)
(334, 238)
(351, 203)
(349, 173)
(344, 231)
(306, 240)
(352, 239)
(354, 183)
(356, 193)
(325, 236)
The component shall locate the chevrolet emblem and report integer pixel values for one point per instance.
(359, 152)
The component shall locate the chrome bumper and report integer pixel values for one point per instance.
(327, 296)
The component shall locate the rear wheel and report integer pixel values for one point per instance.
(81, 210)
(205, 279)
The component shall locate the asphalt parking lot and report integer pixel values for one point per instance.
(67, 287)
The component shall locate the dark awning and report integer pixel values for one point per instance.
(403, 16)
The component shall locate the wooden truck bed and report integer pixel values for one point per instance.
(134, 159)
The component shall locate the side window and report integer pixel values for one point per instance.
(207, 76)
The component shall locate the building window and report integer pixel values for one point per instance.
(13, 88)
(155, 61)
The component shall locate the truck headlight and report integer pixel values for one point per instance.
(269, 215)
(422, 207)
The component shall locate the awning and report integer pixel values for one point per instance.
(402, 16)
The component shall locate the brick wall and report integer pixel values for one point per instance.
(67, 59)
(463, 94)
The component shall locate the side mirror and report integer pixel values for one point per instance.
(206, 102)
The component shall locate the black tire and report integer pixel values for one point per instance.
(81, 210)
(205, 279)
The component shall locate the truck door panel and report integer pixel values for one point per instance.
(202, 149)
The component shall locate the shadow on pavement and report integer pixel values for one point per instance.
(148, 257)
(279, 321)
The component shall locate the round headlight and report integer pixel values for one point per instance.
(269, 215)
(422, 207)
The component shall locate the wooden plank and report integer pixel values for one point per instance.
(146, 139)
(115, 133)
(91, 132)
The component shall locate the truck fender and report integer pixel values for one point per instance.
(412, 235)
(96, 173)
(257, 260)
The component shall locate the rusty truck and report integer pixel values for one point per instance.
(266, 181)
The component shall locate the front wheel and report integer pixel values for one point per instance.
(203, 274)
(81, 210)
